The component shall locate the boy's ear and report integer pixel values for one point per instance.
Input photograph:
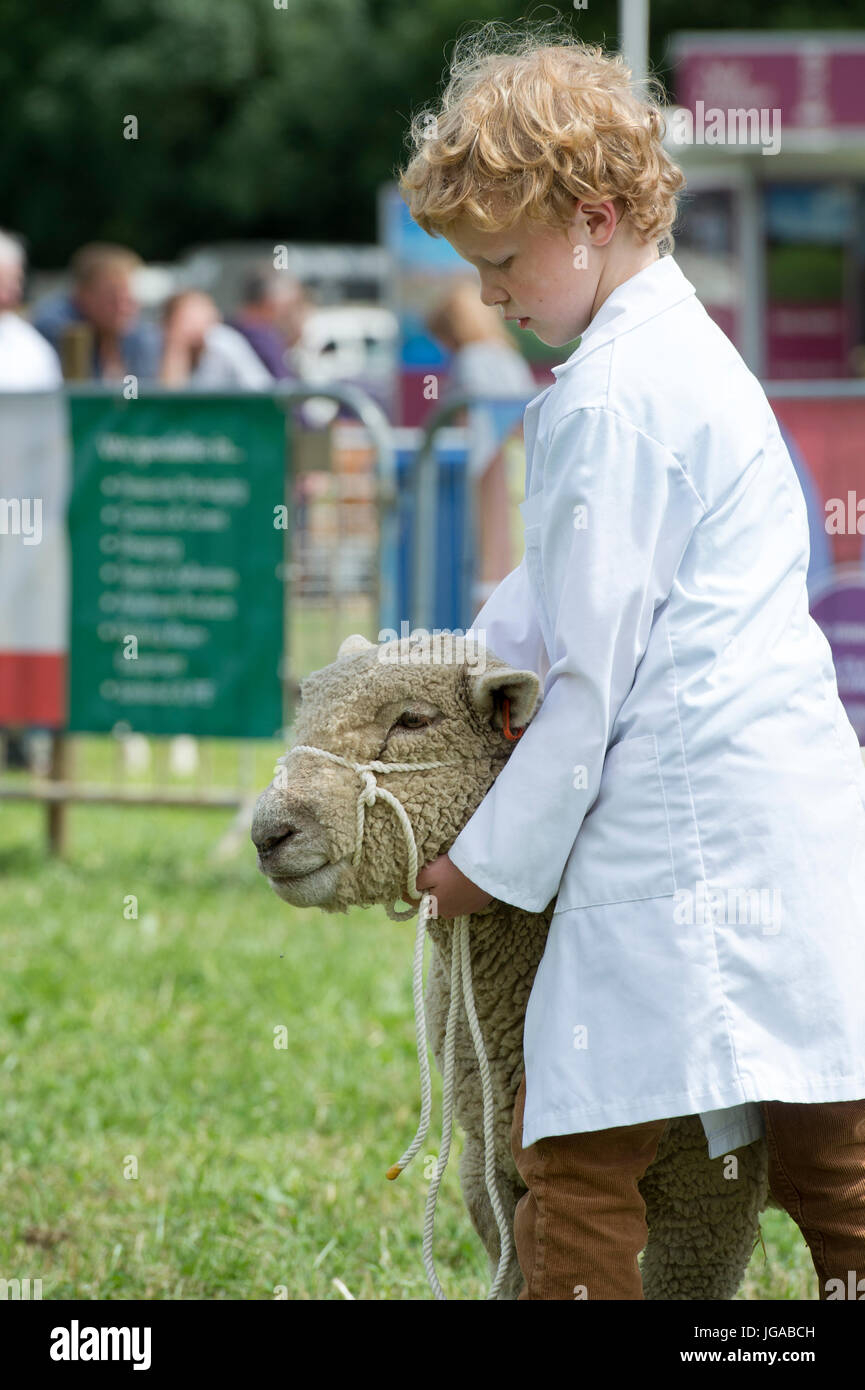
(489, 688)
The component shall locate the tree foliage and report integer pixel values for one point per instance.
(253, 121)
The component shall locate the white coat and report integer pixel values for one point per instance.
(690, 786)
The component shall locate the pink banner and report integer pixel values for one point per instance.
(817, 81)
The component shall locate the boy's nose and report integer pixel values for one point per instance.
(492, 298)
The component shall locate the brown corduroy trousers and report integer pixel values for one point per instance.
(581, 1225)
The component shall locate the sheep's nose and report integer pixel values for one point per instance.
(264, 843)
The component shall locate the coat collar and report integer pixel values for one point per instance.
(652, 290)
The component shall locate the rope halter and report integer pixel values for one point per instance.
(370, 793)
(461, 985)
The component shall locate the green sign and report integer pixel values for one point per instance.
(177, 528)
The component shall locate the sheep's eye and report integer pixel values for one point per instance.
(408, 720)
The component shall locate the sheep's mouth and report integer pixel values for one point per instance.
(294, 878)
(269, 864)
(313, 886)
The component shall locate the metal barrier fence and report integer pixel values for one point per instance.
(344, 564)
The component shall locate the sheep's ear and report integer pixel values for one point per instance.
(354, 643)
(521, 688)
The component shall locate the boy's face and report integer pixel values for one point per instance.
(546, 277)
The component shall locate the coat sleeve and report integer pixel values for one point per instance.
(618, 511)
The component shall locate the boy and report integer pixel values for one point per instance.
(690, 789)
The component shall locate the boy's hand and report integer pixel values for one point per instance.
(456, 895)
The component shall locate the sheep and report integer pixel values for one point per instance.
(378, 703)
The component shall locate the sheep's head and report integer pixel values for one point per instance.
(378, 703)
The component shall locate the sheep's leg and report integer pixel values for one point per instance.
(703, 1225)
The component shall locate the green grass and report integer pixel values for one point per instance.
(152, 1039)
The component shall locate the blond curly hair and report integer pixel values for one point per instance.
(526, 125)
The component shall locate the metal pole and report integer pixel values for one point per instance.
(634, 37)
(753, 262)
(424, 526)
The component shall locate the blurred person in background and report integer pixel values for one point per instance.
(200, 350)
(27, 361)
(96, 327)
(486, 363)
(270, 316)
